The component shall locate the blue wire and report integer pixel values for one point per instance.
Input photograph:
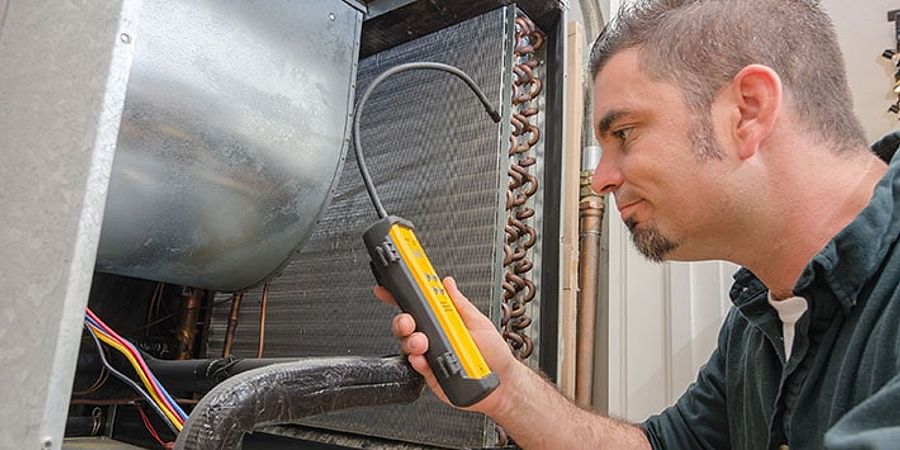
(162, 389)
(165, 393)
(121, 376)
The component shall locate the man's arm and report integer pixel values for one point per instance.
(537, 416)
(528, 407)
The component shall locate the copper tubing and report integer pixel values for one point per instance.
(187, 322)
(155, 299)
(518, 289)
(591, 220)
(262, 320)
(232, 323)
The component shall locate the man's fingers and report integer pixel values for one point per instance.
(420, 364)
(403, 325)
(381, 293)
(467, 311)
(415, 344)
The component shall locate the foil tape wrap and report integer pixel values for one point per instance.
(284, 393)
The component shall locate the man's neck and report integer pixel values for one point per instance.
(811, 204)
(781, 294)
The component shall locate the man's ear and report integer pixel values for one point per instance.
(756, 91)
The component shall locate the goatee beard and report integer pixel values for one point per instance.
(650, 242)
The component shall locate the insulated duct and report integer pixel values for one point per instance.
(284, 393)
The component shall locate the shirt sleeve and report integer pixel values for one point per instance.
(699, 419)
(873, 424)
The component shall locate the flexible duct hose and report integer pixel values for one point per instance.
(284, 393)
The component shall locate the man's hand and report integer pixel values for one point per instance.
(528, 407)
(489, 341)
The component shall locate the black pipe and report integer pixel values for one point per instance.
(178, 376)
(201, 375)
(285, 393)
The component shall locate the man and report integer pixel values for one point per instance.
(728, 134)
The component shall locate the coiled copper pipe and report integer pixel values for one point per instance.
(518, 289)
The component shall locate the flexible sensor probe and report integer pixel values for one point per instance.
(401, 265)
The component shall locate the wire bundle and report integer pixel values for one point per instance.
(156, 395)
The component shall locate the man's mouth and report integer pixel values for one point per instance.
(627, 209)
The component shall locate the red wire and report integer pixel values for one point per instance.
(151, 430)
(137, 356)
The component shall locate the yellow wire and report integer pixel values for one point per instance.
(171, 415)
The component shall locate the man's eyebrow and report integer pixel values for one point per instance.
(608, 119)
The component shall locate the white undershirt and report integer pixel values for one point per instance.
(789, 311)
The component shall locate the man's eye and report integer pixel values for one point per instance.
(622, 135)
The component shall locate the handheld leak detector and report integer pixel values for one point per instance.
(400, 264)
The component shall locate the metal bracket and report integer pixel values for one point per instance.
(380, 7)
(894, 16)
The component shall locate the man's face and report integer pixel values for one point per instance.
(661, 162)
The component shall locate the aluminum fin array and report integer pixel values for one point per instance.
(437, 160)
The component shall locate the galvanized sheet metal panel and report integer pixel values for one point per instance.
(231, 140)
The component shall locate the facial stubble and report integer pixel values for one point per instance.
(649, 240)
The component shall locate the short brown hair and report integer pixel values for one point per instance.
(702, 44)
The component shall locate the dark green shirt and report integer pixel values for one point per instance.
(841, 387)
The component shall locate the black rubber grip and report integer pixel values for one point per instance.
(396, 274)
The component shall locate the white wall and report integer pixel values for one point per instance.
(864, 32)
(663, 319)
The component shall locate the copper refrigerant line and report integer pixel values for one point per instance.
(262, 320)
(518, 289)
(191, 299)
(233, 317)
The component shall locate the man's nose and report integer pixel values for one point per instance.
(607, 175)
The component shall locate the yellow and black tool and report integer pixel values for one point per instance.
(400, 264)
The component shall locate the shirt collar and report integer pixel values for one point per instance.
(854, 255)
